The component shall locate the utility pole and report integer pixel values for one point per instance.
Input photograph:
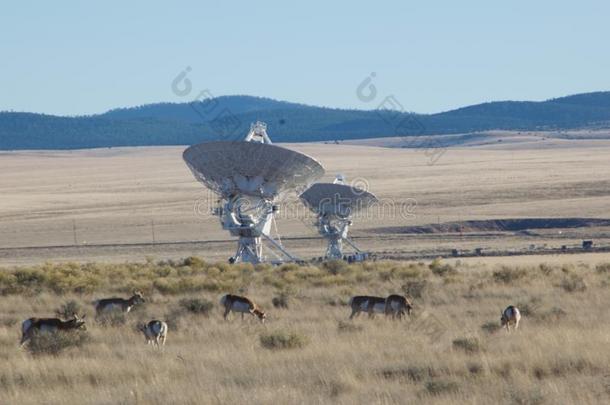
(152, 228)
(74, 232)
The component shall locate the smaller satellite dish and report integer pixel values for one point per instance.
(336, 199)
(335, 204)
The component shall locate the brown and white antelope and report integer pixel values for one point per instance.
(511, 315)
(118, 304)
(365, 303)
(50, 325)
(155, 331)
(244, 305)
(397, 306)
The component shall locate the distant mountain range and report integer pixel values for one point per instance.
(229, 117)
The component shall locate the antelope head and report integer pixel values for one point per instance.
(78, 322)
(503, 319)
(138, 297)
(260, 314)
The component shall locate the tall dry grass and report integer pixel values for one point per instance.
(448, 352)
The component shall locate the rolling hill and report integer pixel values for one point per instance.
(228, 117)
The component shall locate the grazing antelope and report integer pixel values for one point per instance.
(53, 325)
(244, 305)
(155, 331)
(511, 315)
(118, 304)
(397, 305)
(364, 303)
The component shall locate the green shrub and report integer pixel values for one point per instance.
(415, 289)
(441, 269)
(195, 262)
(349, 327)
(545, 269)
(198, 306)
(491, 326)
(55, 343)
(554, 314)
(112, 318)
(603, 268)
(336, 267)
(410, 373)
(469, 345)
(282, 340)
(508, 275)
(281, 301)
(9, 322)
(573, 283)
(475, 368)
(530, 308)
(439, 387)
(532, 397)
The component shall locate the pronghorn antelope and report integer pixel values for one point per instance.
(155, 331)
(363, 303)
(118, 304)
(32, 325)
(397, 305)
(244, 305)
(511, 315)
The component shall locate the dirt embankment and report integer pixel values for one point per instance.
(499, 225)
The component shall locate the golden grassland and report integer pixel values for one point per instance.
(112, 196)
(448, 351)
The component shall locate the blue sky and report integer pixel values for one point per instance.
(74, 57)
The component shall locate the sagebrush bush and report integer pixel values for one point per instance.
(410, 373)
(440, 387)
(9, 322)
(531, 307)
(491, 326)
(112, 318)
(469, 345)
(191, 275)
(55, 343)
(603, 268)
(283, 340)
(281, 300)
(573, 283)
(442, 269)
(195, 262)
(554, 314)
(199, 306)
(508, 275)
(69, 308)
(415, 289)
(336, 267)
(348, 327)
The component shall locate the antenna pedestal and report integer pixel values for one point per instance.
(334, 251)
(334, 229)
(249, 250)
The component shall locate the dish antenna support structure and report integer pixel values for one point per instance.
(249, 177)
(334, 205)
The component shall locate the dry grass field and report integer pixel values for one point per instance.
(448, 351)
(113, 196)
(109, 203)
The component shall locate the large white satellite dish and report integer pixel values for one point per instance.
(334, 205)
(249, 175)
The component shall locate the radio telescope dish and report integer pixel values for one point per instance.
(249, 175)
(334, 204)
